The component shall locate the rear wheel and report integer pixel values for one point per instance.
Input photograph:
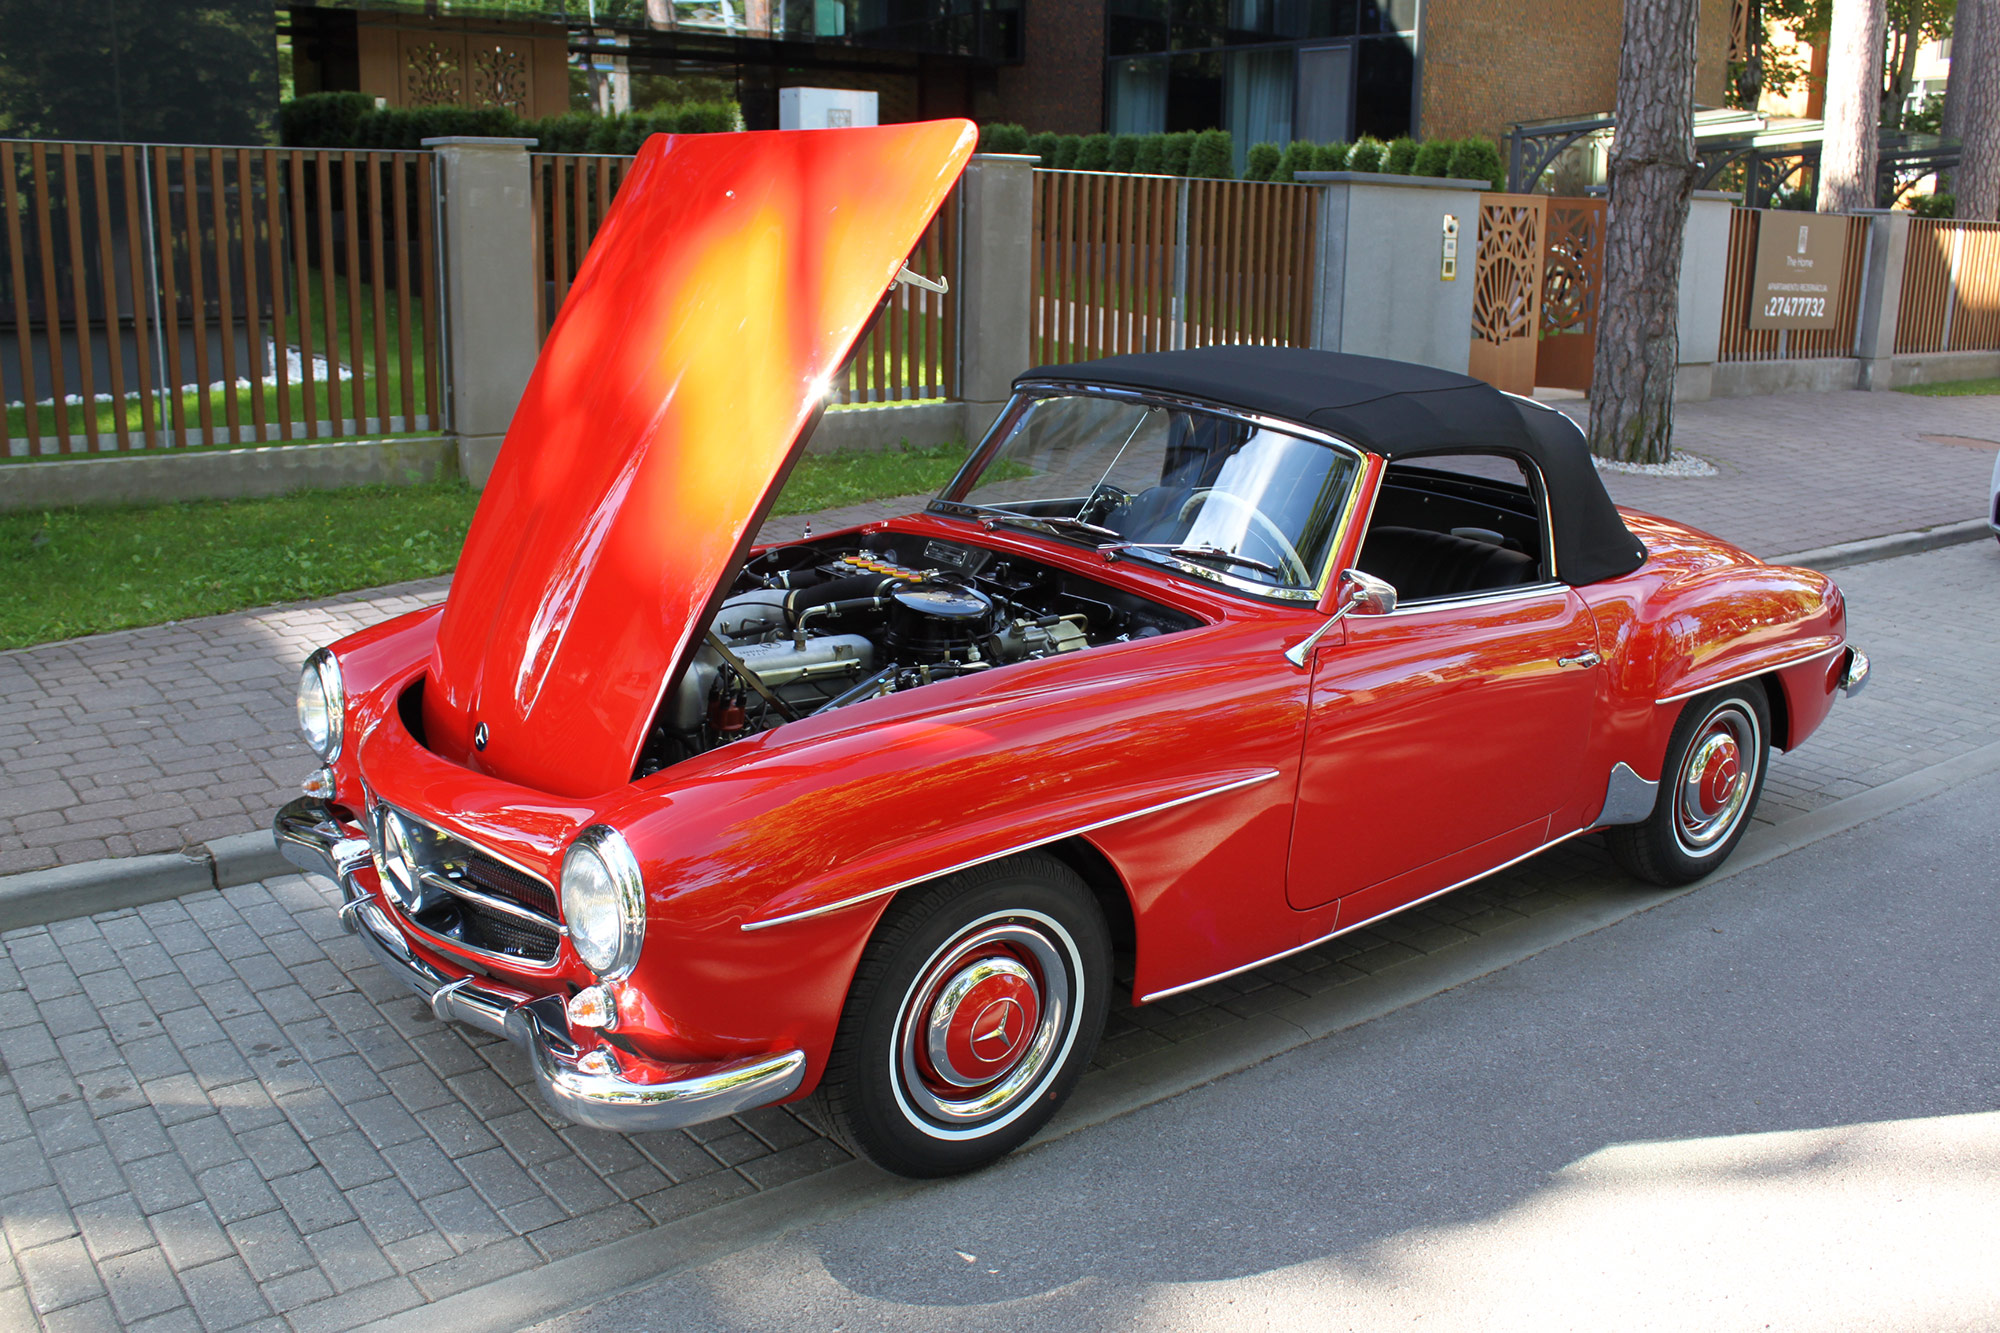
(976, 1007)
(1713, 775)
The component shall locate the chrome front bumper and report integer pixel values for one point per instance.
(1854, 674)
(313, 839)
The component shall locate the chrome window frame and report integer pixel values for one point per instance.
(1540, 490)
(1030, 390)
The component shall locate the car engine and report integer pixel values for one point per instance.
(815, 626)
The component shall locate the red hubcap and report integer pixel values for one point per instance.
(981, 1019)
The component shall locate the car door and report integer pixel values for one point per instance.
(1440, 739)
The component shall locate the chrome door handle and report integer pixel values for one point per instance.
(1587, 659)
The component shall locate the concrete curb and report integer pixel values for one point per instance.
(1870, 549)
(640, 1260)
(41, 896)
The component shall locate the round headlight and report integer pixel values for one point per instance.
(322, 705)
(604, 902)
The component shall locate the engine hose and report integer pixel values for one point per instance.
(852, 587)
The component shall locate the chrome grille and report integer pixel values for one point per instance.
(461, 894)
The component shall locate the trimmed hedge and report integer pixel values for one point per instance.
(1400, 156)
(1433, 158)
(1213, 156)
(1331, 157)
(1261, 164)
(351, 120)
(1478, 159)
(1003, 138)
(1366, 155)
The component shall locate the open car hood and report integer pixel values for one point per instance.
(728, 284)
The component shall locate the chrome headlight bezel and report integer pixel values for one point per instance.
(600, 875)
(322, 700)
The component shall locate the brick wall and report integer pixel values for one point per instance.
(1060, 86)
(1491, 63)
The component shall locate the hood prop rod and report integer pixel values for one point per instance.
(749, 677)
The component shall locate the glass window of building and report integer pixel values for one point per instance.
(1268, 71)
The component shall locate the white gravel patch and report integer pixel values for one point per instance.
(1680, 465)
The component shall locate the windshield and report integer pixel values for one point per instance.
(1198, 491)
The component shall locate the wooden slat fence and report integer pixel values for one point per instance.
(159, 295)
(1951, 287)
(1740, 342)
(1126, 263)
(909, 353)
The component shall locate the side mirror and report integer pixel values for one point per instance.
(1361, 595)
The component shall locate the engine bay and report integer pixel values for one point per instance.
(818, 625)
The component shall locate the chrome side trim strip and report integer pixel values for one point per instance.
(872, 894)
(1628, 798)
(1379, 916)
(1529, 592)
(1749, 673)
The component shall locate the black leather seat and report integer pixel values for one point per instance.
(1437, 564)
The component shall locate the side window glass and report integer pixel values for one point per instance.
(1453, 525)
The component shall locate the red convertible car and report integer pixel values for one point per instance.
(1204, 656)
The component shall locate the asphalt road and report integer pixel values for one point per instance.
(1774, 1103)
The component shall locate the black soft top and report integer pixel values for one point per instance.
(1400, 411)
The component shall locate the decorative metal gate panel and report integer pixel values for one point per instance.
(1507, 290)
(1572, 279)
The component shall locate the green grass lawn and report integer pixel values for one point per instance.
(1955, 388)
(381, 394)
(70, 572)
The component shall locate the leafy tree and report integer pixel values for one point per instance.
(1652, 184)
(1848, 153)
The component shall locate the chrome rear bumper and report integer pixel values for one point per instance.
(313, 839)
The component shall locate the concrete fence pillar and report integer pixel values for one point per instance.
(487, 242)
(995, 256)
(1381, 285)
(1704, 273)
(1881, 298)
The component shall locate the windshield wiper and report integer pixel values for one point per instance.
(1058, 522)
(1110, 552)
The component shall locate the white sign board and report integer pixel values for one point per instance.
(824, 108)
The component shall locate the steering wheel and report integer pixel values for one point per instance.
(1103, 499)
(1293, 564)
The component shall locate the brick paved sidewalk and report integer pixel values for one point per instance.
(148, 740)
(216, 1113)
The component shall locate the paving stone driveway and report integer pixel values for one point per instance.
(216, 1113)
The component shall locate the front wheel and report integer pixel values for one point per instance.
(1713, 775)
(975, 1009)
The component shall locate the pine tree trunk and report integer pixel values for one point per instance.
(1652, 179)
(1853, 105)
(1975, 91)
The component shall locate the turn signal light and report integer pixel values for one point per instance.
(319, 785)
(593, 1007)
(597, 1062)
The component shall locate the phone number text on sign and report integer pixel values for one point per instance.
(1795, 307)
